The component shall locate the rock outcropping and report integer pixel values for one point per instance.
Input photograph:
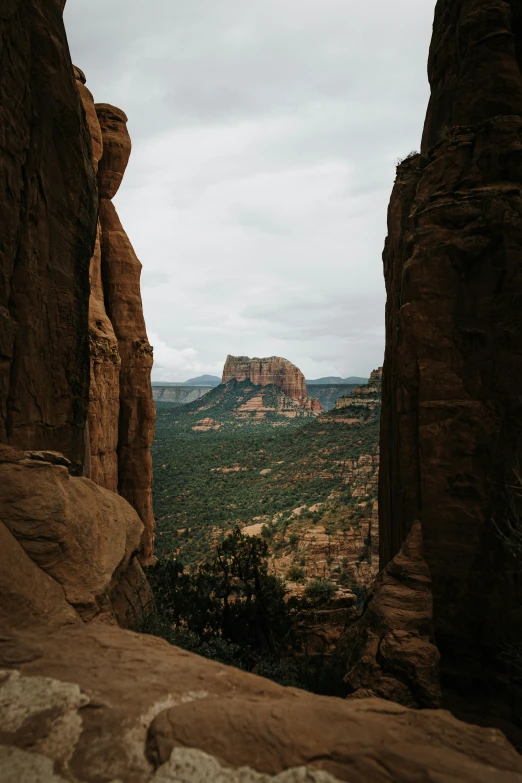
(121, 272)
(121, 410)
(262, 372)
(451, 426)
(104, 393)
(390, 652)
(365, 398)
(76, 544)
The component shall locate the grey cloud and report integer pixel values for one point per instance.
(265, 136)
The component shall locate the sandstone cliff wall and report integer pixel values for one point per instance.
(451, 426)
(121, 411)
(274, 369)
(47, 233)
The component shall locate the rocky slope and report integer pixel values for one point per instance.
(239, 403)
(273, 370)
(91, 703)
(451, 433)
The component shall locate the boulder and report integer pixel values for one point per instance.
(80, 539)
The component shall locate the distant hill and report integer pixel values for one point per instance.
(329, 393)
(203, 380)
(331, 379)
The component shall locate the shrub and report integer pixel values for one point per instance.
(293, 540)
(320, 590)
(295, 573)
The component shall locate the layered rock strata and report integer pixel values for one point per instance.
(367, 397)
(451, 426)
(262, 372)
(47, 233)
(180, 395)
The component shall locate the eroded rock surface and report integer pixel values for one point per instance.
(121, 272)
(69, 543)
(103, 715)
(262, 372)
(389, 651)
(451, 426)
(104, 391)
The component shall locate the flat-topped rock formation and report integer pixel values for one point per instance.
(276, 370)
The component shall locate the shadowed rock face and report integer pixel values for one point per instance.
(120, 272)
(47, 231)
(389, 651)
(104, 392)
(451, 427)
(262, 372)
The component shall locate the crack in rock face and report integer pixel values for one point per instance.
(187, 765)
(135, 737)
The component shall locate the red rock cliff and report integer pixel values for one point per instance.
(262, 372)
(121, 272)
(121, 409)
(47, 231)
(104, 393)
(451, 427)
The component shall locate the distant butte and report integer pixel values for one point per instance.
(274, 369)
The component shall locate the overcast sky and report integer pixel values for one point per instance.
(265, 138)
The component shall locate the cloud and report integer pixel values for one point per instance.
(265, 137)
